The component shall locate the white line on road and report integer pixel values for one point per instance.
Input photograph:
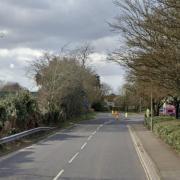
(101, 125)
(83, 146)
(30, 147)
(94, 133)
(89, 137)
(71, 160)
(59, 174)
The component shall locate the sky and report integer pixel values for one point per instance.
(33, 27)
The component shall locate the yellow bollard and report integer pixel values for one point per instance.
(126, 115)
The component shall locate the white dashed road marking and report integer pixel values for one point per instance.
(71, 160)
(83, 146)
(94, 133)
(59, 174)
(89, 137)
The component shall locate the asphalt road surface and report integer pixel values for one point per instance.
(100, 149)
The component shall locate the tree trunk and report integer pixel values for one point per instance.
(157, 108)
(177, 104)
(154, 107)
(177, 109)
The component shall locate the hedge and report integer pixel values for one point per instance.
(168, 129)
(20, 110)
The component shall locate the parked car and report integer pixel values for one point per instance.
(168, 109)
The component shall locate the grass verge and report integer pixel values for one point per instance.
(168, 129)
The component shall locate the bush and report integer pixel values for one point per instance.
(99, 107)
(21, 110)
(157, 119)
(168, 129)
(6, 110)
(26, 110)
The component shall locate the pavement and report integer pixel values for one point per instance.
(166, 160)
(100, 149)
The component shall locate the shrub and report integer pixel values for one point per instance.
(157, 120)
(6, 110)
(3, 113)
(176, 139)
(168, 129)
(21, 110)
(26, 109)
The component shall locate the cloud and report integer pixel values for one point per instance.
(115, 81)
(14, 64)
(110, 73)
(98, 61)
(32, 27)
(108, 43)
(34, 22)
(20, 56)
(11, 66)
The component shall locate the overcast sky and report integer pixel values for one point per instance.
(34, 26)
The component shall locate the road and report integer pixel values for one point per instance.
(100, 149)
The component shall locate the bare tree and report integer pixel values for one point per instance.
(64, 85)
(82, 52)
(152, 34)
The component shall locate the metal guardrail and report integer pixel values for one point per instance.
(23, 134)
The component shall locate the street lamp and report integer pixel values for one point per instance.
(151, 108)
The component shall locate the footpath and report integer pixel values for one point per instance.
(165, 159)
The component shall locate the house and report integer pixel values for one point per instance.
(110, 100)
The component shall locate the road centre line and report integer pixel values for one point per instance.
(59, 174)
(94, 133)
(71, 160)
(89, 137)
(83, 146)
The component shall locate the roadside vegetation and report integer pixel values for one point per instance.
(18, 112)
(151, 56)
(168, 129)
(67, 89)
(150, 31)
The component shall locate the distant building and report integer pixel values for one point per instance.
(110, 101)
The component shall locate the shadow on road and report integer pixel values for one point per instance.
(9, 166)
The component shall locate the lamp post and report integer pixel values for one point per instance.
(140, 105)
(151, 108)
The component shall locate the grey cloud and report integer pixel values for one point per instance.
(32, 4)
(48, 25)
(72, 20)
